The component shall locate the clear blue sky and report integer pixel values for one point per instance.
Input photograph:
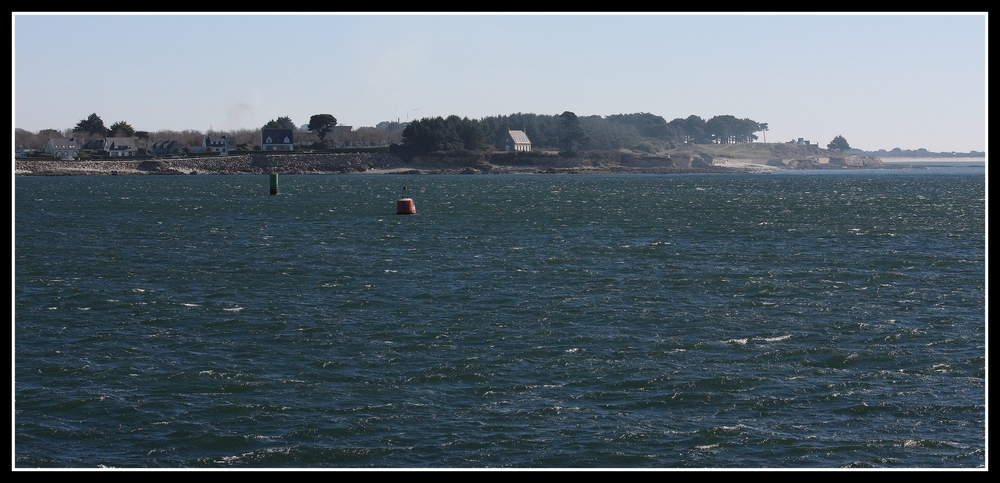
(881, 81)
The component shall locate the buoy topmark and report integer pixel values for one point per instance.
(404, 206)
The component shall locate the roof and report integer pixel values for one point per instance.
(519, 136)
(275, 133)
(120, 143)
(62, 142)
(93, 144)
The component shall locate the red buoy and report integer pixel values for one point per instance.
(405, 205)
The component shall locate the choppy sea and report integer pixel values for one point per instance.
(814, 319)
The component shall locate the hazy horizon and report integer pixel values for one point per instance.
(881, 81)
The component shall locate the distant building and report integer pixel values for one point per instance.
(120, 147)
(517, 140)
(62, 148)
(167, 148)
(93, 146)
(218, 144)
(276, 140)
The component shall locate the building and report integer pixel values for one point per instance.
(120, 147)
(167, 148)
(276, 140)
(218, 144)
(62, 148)
(517, 140)
(94, 146)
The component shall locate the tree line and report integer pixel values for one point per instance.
(314, 134)
(569, 133)
(565, 132)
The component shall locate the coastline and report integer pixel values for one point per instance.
(385, 163)
(931, 159)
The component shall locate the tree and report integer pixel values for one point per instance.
(646, 125)
(432, 134)
(91, 125)
(121, 128)
(24, 139)
(728, 129)
(693, 129)
(573, 133)
(608, 133)
(421, 136)
(471, 134)
(322, 124)
(721, 129)
(839, 143)
(283, 122)
(143, 138)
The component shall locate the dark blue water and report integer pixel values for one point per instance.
(818, 319)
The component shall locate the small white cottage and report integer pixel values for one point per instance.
(517, 140)
(276, 140)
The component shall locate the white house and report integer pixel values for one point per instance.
(517, 140)
(218, 144)
(167, 148)
(120, 147)
(62, 148)
(276, 140)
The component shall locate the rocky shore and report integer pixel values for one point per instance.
(462, 162)
(238, 164)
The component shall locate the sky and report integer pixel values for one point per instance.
(880, 80)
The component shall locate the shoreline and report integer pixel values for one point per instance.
(733, 168)
(385, 163)
(931, 159)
